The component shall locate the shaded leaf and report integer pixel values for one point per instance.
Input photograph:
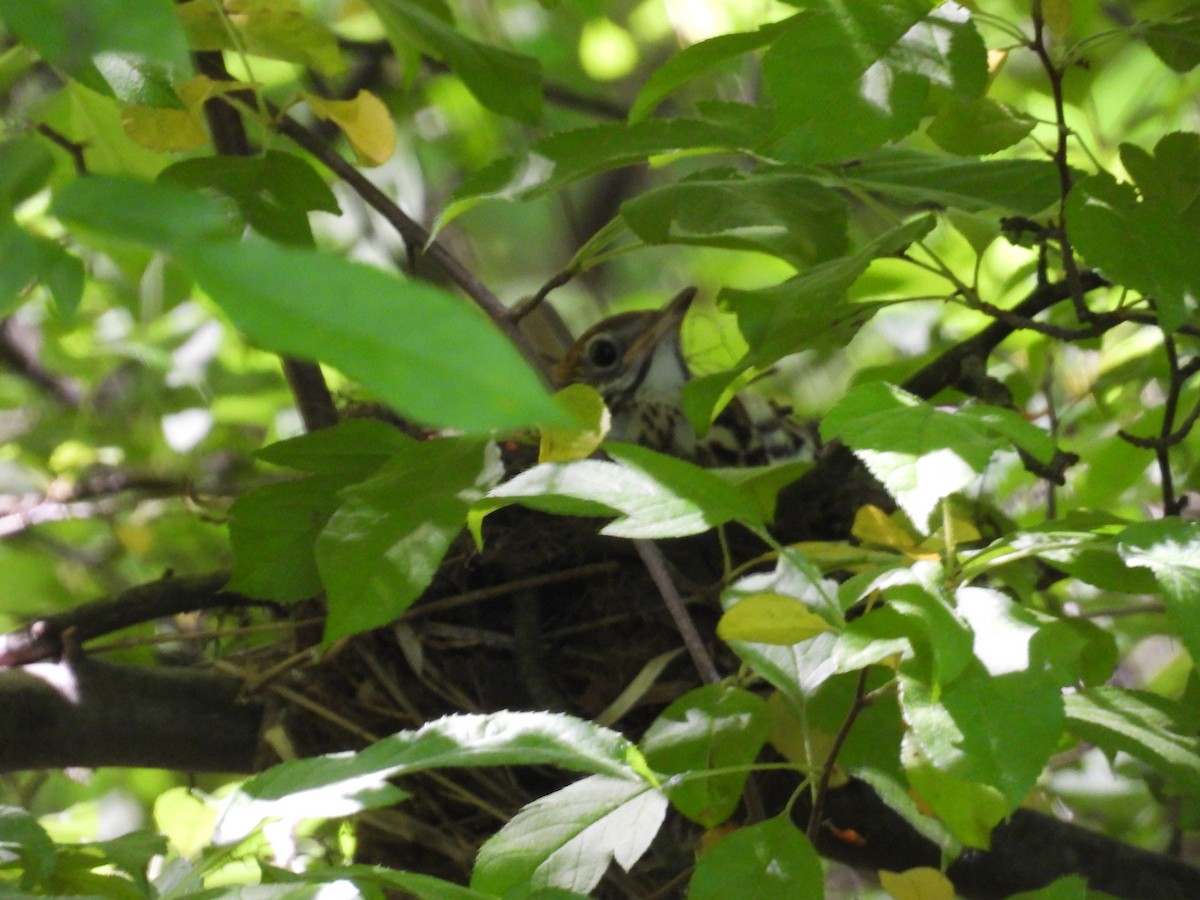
(277, 29)
(505, 82)
(381, 548)
(696, 59)
(787, 215)
(769, 860)
(978, 126)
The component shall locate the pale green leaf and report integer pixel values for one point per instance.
(569, 838)
(711, 727)
(1170, 548)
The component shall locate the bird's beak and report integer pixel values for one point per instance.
(665, 326)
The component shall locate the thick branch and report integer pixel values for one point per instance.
(1028, 851)
(48, 638)
(948, 369)
(85, 712)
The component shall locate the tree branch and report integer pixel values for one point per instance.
(304, 377)
(83, 712)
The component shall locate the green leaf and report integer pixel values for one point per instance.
(786, 215)
(1175, 39)
(849, 76)
(274, 191)
(711, 727)
(1023, 186)
(505, 82)
(383, 545)
(274, 527)
(919, 453)
(696, 59)
(769, 860)
(95, 123)
(1143, 244)
(22, 836)
(969, 809)
(157, 215)
(978, 126)
(25, 166)
(352, 449)
(995, 730)
(338, 783)
(424, 352)
(810, 311)
(1170, 548)
(569, 838)
(1145, 726)
(71, 34)
(1069, 887)
(656, 496)
(414, 884)
(273, 530)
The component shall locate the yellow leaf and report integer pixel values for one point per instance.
(769, 618)
(873, 526)
(164, 129)
(365, 122)
(586, 405)
(137, 539)
(277, 29)
(1057, 15)
(923, 883)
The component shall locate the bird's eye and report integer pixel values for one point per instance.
(602, 352)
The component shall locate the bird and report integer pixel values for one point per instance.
(635, 361)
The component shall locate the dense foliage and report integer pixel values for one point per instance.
(963, 237)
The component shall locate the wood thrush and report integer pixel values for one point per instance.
(636, 363)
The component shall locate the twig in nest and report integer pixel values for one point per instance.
(656, 565)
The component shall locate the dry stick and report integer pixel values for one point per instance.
(656, 565)
(860, 703)
(304, 378)
(414, 235)
(510, 587)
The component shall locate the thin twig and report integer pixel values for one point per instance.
(414, 234)
(1054, 74)
(510, 587)
(656, 565)
(520, 310)
(74, 149)
(860, 703)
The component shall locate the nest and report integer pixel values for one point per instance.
(548, 616)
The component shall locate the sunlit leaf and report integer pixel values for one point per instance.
(1170, 548)
(568, 838)
(586, 405)
(923, 883)
(848, 76)
(1147, 727)
(278, 29)
(342, 782)
(769, 618)
(712, 727)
